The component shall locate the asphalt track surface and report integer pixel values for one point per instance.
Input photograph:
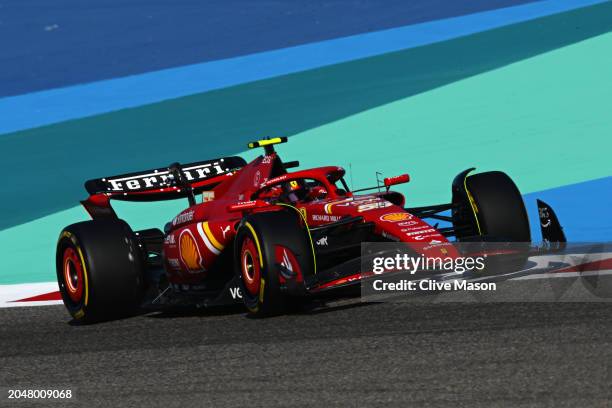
(430, 355)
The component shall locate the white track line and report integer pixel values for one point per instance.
(10, 293)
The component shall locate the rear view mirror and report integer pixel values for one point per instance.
(401, 179)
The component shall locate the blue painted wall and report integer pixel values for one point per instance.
(48, 44)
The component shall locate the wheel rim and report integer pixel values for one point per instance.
(250, 266)
(73, 275)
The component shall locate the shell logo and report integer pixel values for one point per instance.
(396, 217)
(189, 252)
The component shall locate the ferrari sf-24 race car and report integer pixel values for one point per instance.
(263, 236)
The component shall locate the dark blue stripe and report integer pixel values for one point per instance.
(64, 42)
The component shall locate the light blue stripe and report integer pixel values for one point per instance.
(583, 210)
(57, 105)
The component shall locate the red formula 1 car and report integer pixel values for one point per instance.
(261, 235)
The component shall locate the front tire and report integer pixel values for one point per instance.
(267, 282)
(491, 206)
(99, 270)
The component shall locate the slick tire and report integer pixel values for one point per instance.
(260, 240)
(498, 218)
(99, 270)
(498, 206)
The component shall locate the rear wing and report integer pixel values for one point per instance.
(165, 183)
(174, 181)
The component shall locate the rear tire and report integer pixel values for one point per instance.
(99, 270)
(260, 237)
